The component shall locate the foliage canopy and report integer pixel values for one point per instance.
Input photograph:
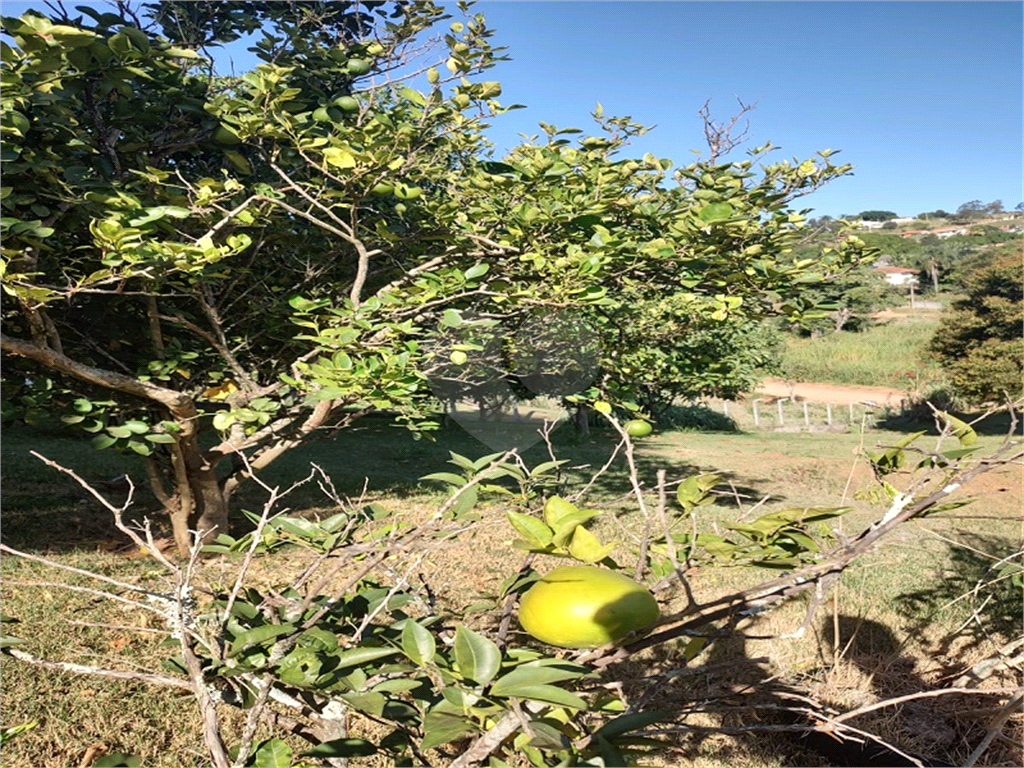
(209, 270)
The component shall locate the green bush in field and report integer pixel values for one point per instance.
(979, 342)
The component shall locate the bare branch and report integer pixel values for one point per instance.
(114, 674)
(720, 137)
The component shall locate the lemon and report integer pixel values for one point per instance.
(583, 606)
(637, 428)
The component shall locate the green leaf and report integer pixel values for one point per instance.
(530, 528)
(160, 437)
(466, 501)
(568, 525)
(238, 161)
(546, 467)
(447, 477)
(527, 676)
(586, 547)
(451, 319)
(418, 643)
(143, 449)
(548, 694)
(371, 703)
(477, 270)
(478, 658)
(257, 636)
(715, 212)
(632, 722)
(556, 509)
(963, 431)
(342, 748)
(273, 753)
(443, 727)
(357, 656)
(339, 158)
(102, 441)
(602, 406)
(118, 760)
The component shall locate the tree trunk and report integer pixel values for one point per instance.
(935, 276)
(199, 503)
(582, 420)
(210, 516)
(842, 317)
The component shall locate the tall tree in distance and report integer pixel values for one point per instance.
(979, 342)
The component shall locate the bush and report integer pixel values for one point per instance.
(696, 418)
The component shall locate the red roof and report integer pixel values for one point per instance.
(897, 270)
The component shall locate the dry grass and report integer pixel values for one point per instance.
(896, 635)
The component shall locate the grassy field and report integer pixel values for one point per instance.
(897, 611)
(889, 353)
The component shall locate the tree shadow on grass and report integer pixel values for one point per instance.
(46, 510)
(738, 709)
(978, 589)
(920, 418)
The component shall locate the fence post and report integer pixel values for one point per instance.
(807, 418)
(851, 413)
(725, 408)
(828, 413)
(781, 420)
(757, 420)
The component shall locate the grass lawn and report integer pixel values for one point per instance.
(890, 353)
(896, 611)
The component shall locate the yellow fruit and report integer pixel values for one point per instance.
(637, 428)
(583, 606)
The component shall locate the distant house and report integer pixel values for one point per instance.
(899, 276)
(942, 232)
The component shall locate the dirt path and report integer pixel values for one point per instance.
(838, 394)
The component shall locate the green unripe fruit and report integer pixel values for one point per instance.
(583, 606)
(461, 100)
(357, 67)
(226, 136)
(458, 357)
(637, 428)
(346, 104)
(321, 115)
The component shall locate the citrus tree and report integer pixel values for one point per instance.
(208, 270)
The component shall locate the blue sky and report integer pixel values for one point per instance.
(924, 98)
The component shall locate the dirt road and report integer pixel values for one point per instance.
(838, 394)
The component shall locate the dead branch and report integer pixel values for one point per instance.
(113, 674)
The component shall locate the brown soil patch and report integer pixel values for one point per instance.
(837, 394)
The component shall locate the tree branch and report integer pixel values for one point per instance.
(180, 404)
(114, 674)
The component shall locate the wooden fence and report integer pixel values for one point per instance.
(786, 414)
